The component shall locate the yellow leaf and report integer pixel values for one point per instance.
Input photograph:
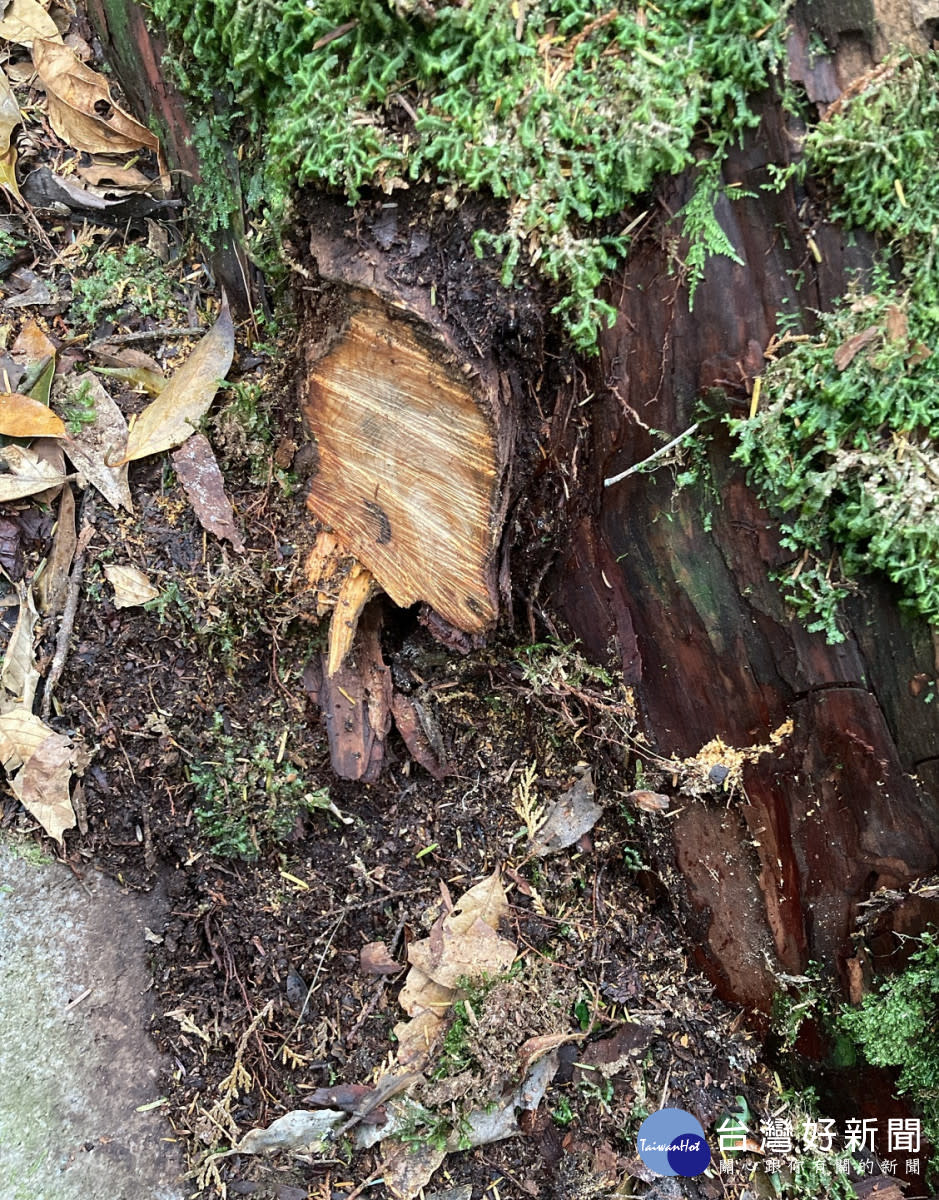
(131, 586)
(10, 117)
(22, 416)
(80, 107)
(173, 416)
(25, 20)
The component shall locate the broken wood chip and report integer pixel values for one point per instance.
(356, 590)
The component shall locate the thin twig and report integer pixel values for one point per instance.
(70, 611)
(656, 454)
(316, 975)
(143, 335)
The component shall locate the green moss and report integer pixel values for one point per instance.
(115, 280)
(565, 110)
(896, 1027)
(845, 444)
(248, 795)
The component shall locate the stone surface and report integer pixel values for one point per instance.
(75, 1067)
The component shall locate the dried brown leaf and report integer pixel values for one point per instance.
(897, 324)
(485, 901)
(573, 815)
(188, 395)
(93, 446)
(199, 473)
(23, 417)
(25, 20)
(42, 785)
(10, 117)
(26, 474)
(849, 350)
(19, 675)
(478, 951)
(131, 586)
(21, 735)
(80, 107)
(374, 959)
(52, 583)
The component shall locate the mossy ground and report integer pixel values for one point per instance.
(561, 111)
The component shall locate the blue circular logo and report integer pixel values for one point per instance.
(672, 1142)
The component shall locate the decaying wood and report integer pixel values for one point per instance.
(407, 463)
(356, 590)
(356, 703)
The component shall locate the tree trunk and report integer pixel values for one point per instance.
(446, 440)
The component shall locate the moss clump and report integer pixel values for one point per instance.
(845, 445)
(128, 278)
(564, 109)
(896, 1027)
(248, 795)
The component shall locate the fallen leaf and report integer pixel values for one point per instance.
(374, 959)
(92, 446)
(42, 785)
(650, 802)
(10, 117)
(293, 1131)
(406, 1168)
(151, 382)
(131, 586)
(11, 550)
(127, 356)
(49, 451)
(19, 675)
(456, 947)
(80, 107)
(849, 350)
(26, 474)
(23, 417)
(52, 581)
(25, 20)
(32, 344)
(475, 952)
(21, 735)
(202, 480)
(188, 395)
(573, 815)
(535, 1048)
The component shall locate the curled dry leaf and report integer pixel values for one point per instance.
(23, 417)
(293, 1131)
(131, 586)
(19, 675)
(80, 107)
(188, 395)
(10, 117)
(202, 480)
(92, 447)
(42, 762)
(25, 473)
(52, 582)
(462, 943)
(25, 20)
(374, 959)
